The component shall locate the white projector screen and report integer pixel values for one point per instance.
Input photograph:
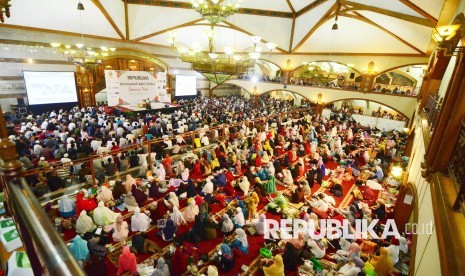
(186, 86)
(50, 87)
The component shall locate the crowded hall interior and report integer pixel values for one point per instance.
(232, 137)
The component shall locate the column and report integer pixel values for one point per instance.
(452, 113)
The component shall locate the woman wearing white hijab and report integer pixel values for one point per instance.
(177, 217)
(67, 207)
(244, 185)
(191, 210)
(84, 223)
(161, 173)
(172, 201)
(139, 221)
(259, 224)
(185, 174)
(240, 241)
(121, 229)
(105, 194)
(227, 226)
(103, 215)
(238, 219)
(288, 180)
(129, 182)
(271, 169)
(208, 188)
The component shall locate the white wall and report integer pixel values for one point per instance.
(19, 58)
(427, 251)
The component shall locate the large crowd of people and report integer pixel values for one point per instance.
(206, 211)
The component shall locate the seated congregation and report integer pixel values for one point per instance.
(206, 212)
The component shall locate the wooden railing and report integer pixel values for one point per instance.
(432, 109)
(457, 168)
(45, 248)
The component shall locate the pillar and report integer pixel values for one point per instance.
(452, 113)
(436, 68)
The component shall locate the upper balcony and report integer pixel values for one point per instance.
(404, 104)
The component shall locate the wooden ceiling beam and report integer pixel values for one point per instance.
(126, 19)
(291, 40)
(187, 24)
(420, 11)
(328, 15)
(398, 15)
(310, 6)
(360, 17)
(188, 6)
(290, 6)
(108, 17)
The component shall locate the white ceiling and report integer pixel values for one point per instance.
(386, 32)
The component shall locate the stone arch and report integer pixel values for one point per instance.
(378, 102)
(338, 62)
(138, 55)
(397, 67)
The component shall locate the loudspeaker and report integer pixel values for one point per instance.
(352, 75)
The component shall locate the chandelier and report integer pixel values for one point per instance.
(216, 11)
(228, 62)
(85, 57)
(4, 9)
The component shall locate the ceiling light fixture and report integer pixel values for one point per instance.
(4, 9)
(216, 11)
(80, 6)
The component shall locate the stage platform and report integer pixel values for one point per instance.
(164, 108)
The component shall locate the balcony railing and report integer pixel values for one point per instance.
(432, 109)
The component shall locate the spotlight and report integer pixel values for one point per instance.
(80, 6)
(335, 27)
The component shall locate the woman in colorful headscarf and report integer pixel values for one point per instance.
(84, 203)
(79, 248)
(276, 269)
(103, 215)
(140, 196)
(226, 257)
(67, 207)
(382, 263)
(130, 202)
(270, 185)
(127, 262)
(84, 223)
(167, 233)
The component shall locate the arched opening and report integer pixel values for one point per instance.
(367, 108)
(326, 74)
(124, 59)
(405, 79)
(263, 70)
